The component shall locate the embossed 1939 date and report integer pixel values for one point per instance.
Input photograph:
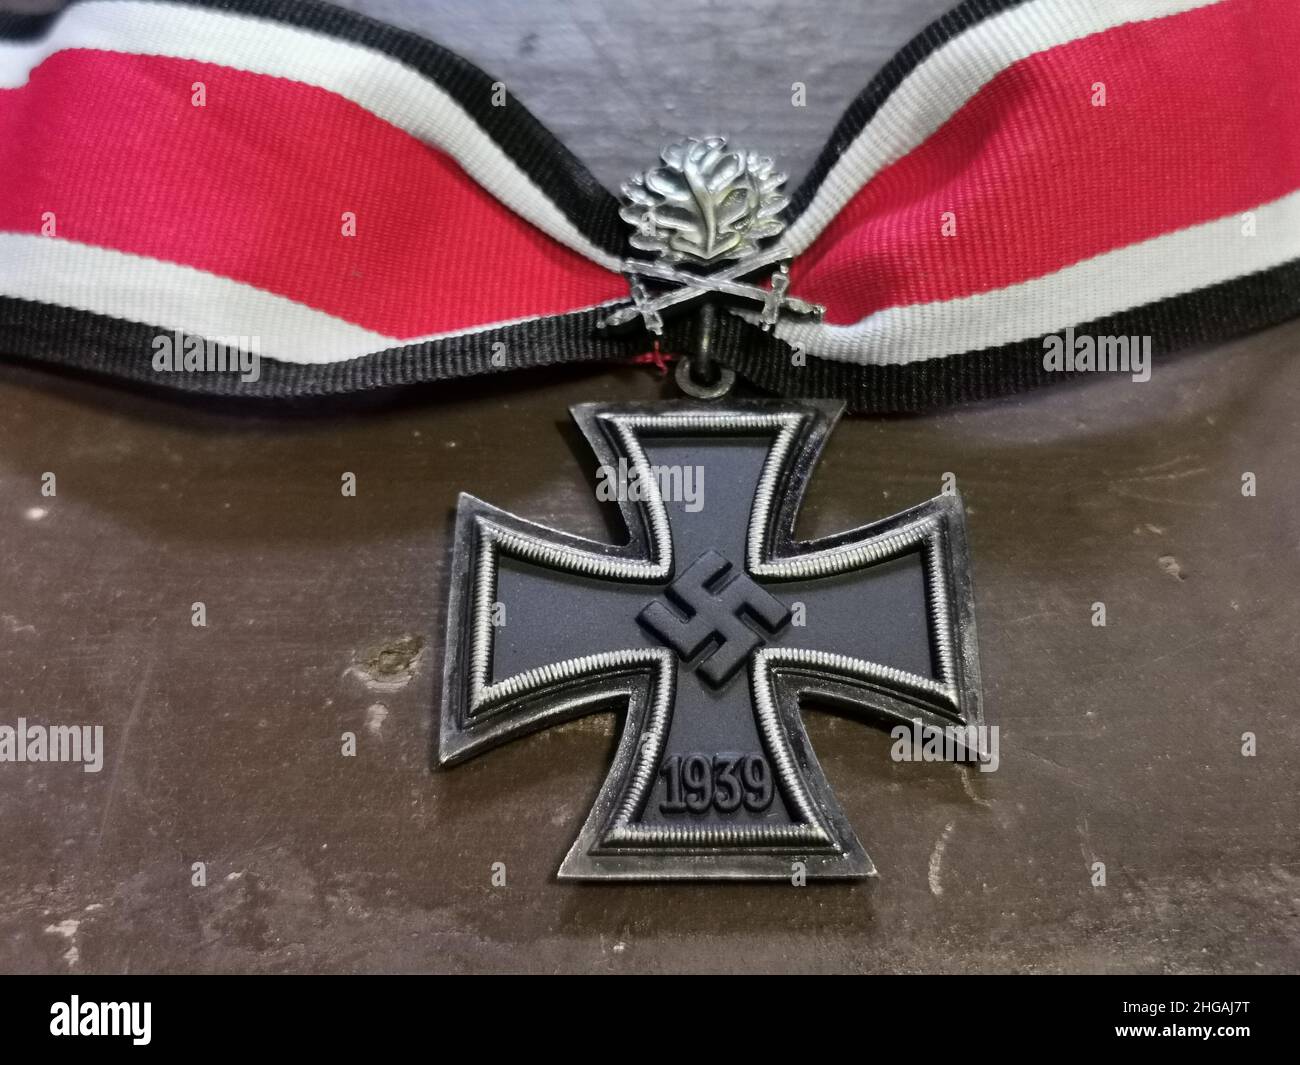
(696, 783)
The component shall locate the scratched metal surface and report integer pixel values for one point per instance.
(1120, 744)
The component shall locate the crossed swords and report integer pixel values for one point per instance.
(694, 287)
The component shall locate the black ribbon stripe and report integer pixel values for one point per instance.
(120, 349)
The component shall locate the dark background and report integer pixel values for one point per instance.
(1119, 744)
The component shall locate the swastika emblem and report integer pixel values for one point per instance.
(711, 631)
(716, 601)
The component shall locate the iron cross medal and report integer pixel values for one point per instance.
(711, 629)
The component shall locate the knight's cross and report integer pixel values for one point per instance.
(710, 630)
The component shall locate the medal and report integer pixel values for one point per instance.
(708, 629)
(996, 211)
(711, 625)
